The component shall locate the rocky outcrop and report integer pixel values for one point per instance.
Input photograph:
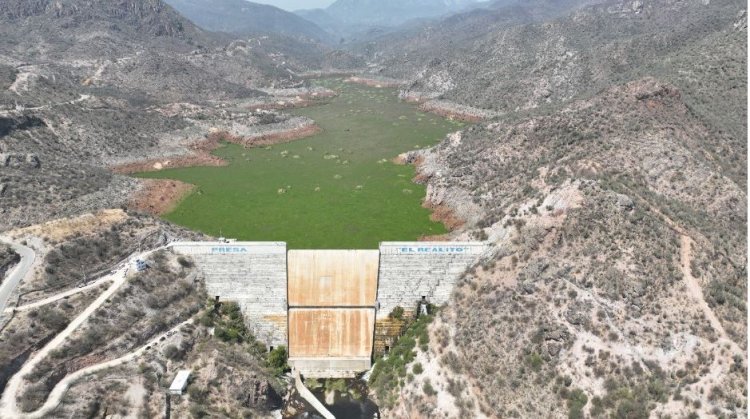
(150, 16)
(21, 122)
(258, 394)
(16, 160)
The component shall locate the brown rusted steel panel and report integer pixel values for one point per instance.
(331, 333)
(326, 278)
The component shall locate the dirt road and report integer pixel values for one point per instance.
(8, 405)
(60, 296)
(62, 387)
(695, 290)
(19, 272)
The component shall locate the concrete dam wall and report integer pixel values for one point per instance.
(251, 273)
(330, 307)
(410, 271)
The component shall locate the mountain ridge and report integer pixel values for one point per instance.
(152, 16)
(349, 18)
(247, 18)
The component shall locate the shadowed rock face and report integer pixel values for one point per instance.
(8, 258)
(243, 17)
(153, 17)
(8, 125)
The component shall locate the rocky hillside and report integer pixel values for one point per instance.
(519, 66)
(700, 48)
(145, 46)
(610, 175)
(612, 183)
(149, 17)
(618, 285)
(73, 28)
(243, 17)
(85, 84)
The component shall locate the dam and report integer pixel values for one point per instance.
(330, 308)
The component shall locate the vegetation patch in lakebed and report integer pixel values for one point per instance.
(336, 189)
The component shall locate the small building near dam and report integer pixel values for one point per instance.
(330, 307)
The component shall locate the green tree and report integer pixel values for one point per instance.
(277, 359)
(397, 313)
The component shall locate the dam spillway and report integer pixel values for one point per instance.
(326, 305)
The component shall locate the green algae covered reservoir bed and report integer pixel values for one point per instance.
(336, 189)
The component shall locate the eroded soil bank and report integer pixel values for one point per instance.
(202, 150)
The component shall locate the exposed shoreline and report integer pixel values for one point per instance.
(375, 81)
(201, 150)
(439, 212)
(160, 196)
(427, 101)
(450, 111)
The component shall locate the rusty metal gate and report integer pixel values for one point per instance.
(331, 296)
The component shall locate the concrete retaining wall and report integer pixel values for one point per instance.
(330, 367)
(252, 274)
(410, 270)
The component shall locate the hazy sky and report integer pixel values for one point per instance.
(296, 4)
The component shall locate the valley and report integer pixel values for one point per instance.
(336, 189)
(559, 185)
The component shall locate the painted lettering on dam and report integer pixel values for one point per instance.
(224, 250)
(433, 249)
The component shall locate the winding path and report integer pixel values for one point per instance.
(73, 291)
(695, 290)
(693, 285)
(8, 402)
(60, 296)
(55, 397)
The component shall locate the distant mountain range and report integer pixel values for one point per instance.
(392, 12)
(243, 17)
(346, 17)
(342, 20)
